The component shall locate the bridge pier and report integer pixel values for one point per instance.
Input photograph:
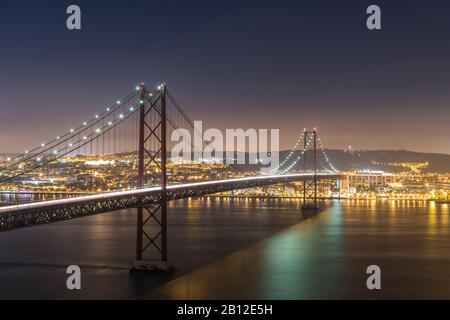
(150, 266)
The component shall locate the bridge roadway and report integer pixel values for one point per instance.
(32, 214)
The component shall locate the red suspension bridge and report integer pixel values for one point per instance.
(135, 130)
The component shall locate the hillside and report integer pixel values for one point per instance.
(387, 160)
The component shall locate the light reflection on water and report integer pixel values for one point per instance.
(327, 256)
(200, 231)
(7, 199)
(323, 257)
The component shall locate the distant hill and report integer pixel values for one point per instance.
(379, 160)
(387, 160)
(366, 159)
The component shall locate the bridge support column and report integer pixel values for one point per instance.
(152, 220)
(310, 186)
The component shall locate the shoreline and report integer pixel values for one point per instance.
(324, 198)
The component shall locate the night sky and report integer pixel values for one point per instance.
(249, 64)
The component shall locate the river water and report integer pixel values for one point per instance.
(240, 248)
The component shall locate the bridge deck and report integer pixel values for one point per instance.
(30, 214)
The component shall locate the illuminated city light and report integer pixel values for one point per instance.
(99, 163)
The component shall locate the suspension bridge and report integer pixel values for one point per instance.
(121, 158)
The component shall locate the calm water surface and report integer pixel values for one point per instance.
(33, 261)
(216, 249)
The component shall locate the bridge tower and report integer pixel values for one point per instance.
(152, 125)
(310, 186)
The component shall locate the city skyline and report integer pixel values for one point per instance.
(310, 65)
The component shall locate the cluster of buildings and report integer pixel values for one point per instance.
(403, 185)
(93, 174)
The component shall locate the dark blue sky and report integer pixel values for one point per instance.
(262, 64)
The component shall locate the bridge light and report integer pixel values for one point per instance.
(57, 138)
(72, 130)
(84, 138)
(43, 145)
(121, 116)
(55, 152)
(97, 130)
(138, 88)
(141, 102)
(8, 159)
(70, 144)
(108, 109)
(38, 159)
(110, 123)
(118, 102)
(131, 109)
(84, 123)
(96, 116)
(26, 152)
